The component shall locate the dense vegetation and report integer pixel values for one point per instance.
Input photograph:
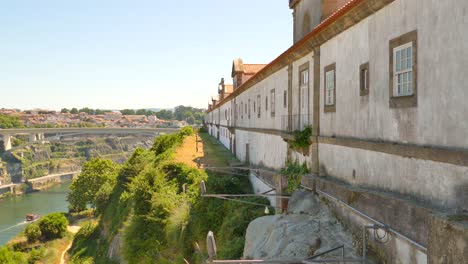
(294, 171)
(154, 207)
(8, 121)
(182, 113)
(190, 114)
(301, 139)
(94, 185)
(42, 240)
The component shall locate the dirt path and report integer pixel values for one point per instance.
(72, 229)
(190, 151)
(203, 147)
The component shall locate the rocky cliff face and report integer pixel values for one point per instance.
(66, 156)
(306, 229)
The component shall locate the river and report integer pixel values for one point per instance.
(14, 209)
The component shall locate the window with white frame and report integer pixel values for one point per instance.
(304, 86)
(305, 77)
(403, 81)
(403, 70)
(330, 87)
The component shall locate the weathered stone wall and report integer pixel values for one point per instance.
(402, 215)
(264, 150)
(439, 117)
(439, 184)
(448, 240)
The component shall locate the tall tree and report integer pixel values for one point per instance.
(7, 121)
(165, 115)
(87, 110)
(127, 112)
(85, 187)
(141, 112)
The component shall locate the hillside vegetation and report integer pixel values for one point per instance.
(41, 242)
(149, 210)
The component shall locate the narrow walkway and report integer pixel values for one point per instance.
(72, 229)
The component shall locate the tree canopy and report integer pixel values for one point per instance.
(86, 187)
(53, 225)
(190, 114)
(7, 121)
(127, 112)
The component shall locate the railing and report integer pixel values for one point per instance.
(291, 123)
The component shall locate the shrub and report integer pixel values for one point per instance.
(294, 171)
(53, 226)
(8, 256)
(36, 255)
(32, 232)
(301, 138)
(165, 142)
(186, 131)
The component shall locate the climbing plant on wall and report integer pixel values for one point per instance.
(301, 141)
(294, 171)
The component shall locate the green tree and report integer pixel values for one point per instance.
(15, 142)
(94, 175)
(182, 113)
(53, 225)
(141, 112)
(36, 255)
(165, 115)
(8, 256)
(103, 196)
(32, 232)
(74, 111)
(199, 116)
(7, 121)
(99, 112)
(189, 117)
(87, 110)
(127, 112)
(64, 110)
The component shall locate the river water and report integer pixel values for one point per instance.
(13, 210)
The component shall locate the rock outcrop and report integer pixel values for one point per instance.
(306, 229)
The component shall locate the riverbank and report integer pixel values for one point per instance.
(37, 184)
(14, 209)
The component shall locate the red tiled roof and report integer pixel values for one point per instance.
(326, 22)
(253, 68)
(228, 88)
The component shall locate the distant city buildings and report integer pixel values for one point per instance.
(46, 118)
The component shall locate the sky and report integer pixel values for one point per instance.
(115, 54)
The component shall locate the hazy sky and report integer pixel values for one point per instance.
(131, 53)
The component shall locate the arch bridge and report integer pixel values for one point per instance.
(37, 134)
